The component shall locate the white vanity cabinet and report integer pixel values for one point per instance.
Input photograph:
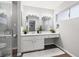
(26, 44)
(30, 43)
(38, 42)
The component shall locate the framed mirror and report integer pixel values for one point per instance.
(32, 22)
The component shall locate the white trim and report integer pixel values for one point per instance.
(66, 51)
(19, 54)
(14, 48)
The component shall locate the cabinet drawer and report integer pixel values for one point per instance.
(53, 36)
(38, 37)
(46, 36)
(26, 38)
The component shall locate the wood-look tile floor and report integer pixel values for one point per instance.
(45, 53)
(52, 51)
(63, 55)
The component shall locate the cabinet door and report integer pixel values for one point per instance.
(26, 44)
(38, 43)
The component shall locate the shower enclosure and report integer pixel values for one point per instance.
(5, 29)
(8, 27)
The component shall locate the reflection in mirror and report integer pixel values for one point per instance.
(5, 16)
(3, 21)
(46, 22)
(31, 25)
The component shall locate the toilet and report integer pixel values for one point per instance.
(2, 46)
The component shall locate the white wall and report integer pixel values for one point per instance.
(28, 10)
(69, 34)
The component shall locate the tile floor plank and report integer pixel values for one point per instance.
(45, 53)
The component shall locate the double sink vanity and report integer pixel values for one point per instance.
(31, 42)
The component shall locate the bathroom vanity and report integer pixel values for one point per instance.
(31, 42)
(33, 22)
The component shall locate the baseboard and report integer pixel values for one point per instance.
(65, 51)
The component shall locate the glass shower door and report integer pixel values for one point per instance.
(5, 28)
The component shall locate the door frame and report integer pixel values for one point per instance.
(16, 25)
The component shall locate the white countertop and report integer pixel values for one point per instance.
(36, 34)
(4, 35)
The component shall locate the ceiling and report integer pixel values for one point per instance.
(43, 4)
